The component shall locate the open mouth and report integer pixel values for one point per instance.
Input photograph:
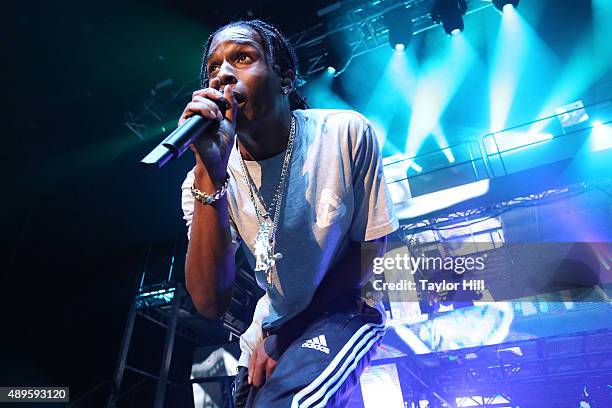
(240, 98)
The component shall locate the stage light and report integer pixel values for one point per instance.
(439, 80)
(440, 138)
(320, 94)
(416, 167)
(399, 23)
(380, 386)
(509, 60)
(339, 53)
(450, 14)
(601, 136)
(471, 356)
(502, 5)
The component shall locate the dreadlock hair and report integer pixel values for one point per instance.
(279, 53)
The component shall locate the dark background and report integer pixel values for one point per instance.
(78, 214)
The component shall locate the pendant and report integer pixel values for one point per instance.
(265, 258)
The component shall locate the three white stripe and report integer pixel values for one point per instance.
(362, 353)
(368, 333)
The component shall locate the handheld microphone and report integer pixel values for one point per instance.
(178, 141)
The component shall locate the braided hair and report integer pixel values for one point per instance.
(278, 51)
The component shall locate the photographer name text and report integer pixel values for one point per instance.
(424, 284)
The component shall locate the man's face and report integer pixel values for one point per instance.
(238, 59)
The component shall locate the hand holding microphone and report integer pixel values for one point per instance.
(208, 126)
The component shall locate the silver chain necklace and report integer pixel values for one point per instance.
(266, 235)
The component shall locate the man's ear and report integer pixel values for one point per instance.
(289, 74)
(287, 81)
(288, 77)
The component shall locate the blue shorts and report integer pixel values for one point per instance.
(322, 366)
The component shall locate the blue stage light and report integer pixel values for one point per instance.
(450, 13)
(320, 94)
(510, 57)
(503, 5)
(399, 23)
(601, 137)
(439, 79)
(339, 53)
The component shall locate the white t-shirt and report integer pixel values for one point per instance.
(335, 192)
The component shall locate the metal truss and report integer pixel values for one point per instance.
(157, 112)
(362, 23)
(192, 328)
(163, 300)
(538, 373)
(475, 215)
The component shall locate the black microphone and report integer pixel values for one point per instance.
(178, 141)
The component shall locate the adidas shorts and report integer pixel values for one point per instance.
(323, 365)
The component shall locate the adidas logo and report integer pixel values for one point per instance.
(318, 343)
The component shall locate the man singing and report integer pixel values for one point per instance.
(300, 190)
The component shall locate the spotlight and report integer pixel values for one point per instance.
(416, 167)
(450, 14)
(339, 53)
(601, 136)
(503, 4)
(399, 23)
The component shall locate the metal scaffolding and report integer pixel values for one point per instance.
(540, 373)
(164, 301)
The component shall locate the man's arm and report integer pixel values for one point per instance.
(210, 267)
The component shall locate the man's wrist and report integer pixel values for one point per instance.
(208, 182)
(209, 199)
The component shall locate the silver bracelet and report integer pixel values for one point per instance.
(210, 198)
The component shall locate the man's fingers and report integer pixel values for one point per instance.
(260, 366)
(259, 372)
(252, 366)
(270, 366)
(213, 106)
(204, 108)
(209, 93)
(232, 110)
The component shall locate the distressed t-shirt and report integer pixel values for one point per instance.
(335, 192)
